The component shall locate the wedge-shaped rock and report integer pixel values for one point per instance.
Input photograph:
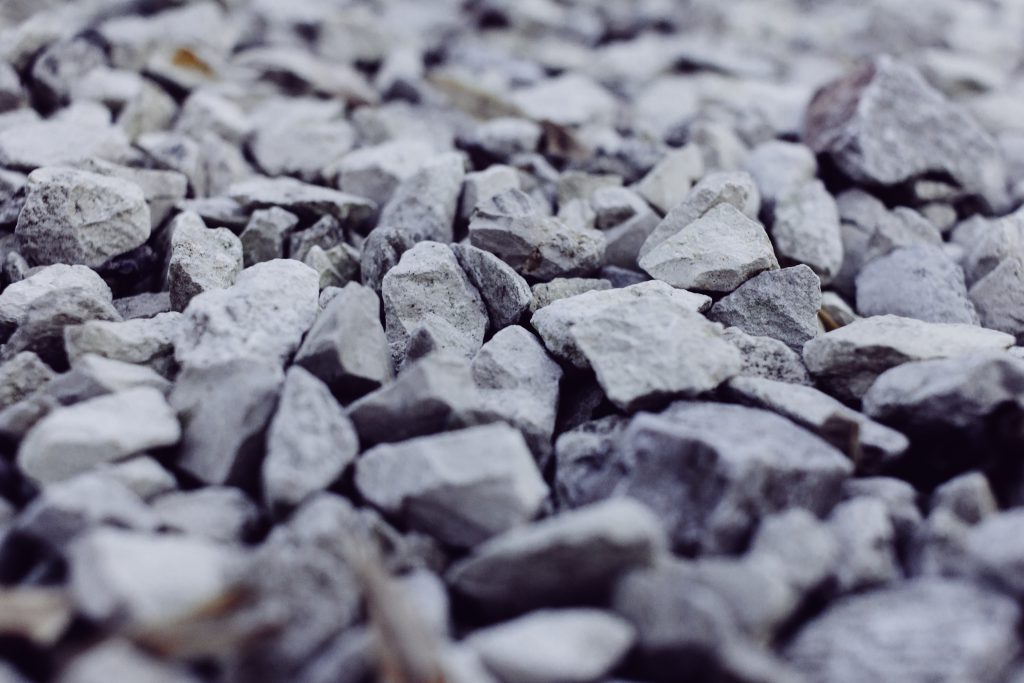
(460, 487)
(77, 438)
(554, 322)
(920, 282)
(425, 203)
(782, 304)
(767, 357)
(21, 376)
(299, 197)
(717, 252)
(505, 293)
(846, 361)
(539, 565)
(49, 281)
(73, 216)
(144, 341)
(201, 259)
(806, 230)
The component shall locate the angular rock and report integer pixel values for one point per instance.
(73, 216)
(767, 357)
(20, 376)
(428, 290)
(998, 297)
(375, 172)
(968, 496)
(224, 410)
(867, 540)
(555, 322)
(988, 243)
(346, 347)
(299, 146)
(505, 136)
(426, 202)
(806, 230)
(544, 293)
(919, 282)
(582, 461)
(635, 349)
(882, 124)
(917, 630)
(142, 475)
(782, 304)
(262, 316)
(219, 513)
(336, 266)
(480, 186)
(382, 250)
(201, 259)
(847, 360)
(56, 142)
(144, 341)
(461, 487)
(780, 168)
(145, 305)
(538, 565)
(505, 293)
(570, 645)
(568, 100)
(309, 444)
(509, 226)
(668, 183)
(326, 233)
(265, 235)
(301, 198)
(77, 438)
(798, 547)
(717, 252)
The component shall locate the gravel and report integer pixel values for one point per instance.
(497, 342)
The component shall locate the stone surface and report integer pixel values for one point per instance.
(779, 168)
(145, 341)
(782, 304)
(998, 296)
(310, 441)
(219, 513)
(543, 293)
(20, 376)
(51, 281)
(201, 259)
(806, 230)
(426, 202)
(266, 234)
(670, 180)
(846, 361)
(867, 544)
(767, 357)
(717, 252)
(919, 282)
(505, 293)
(298, 197)
(461, 487)
(73, 216)
(74, 439)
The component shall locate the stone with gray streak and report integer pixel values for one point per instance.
(505, 293)
(919, 282)
(782, 304)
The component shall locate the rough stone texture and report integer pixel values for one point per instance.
(867, 443)
(806, 230)
(298, 197)
(266, 234)
(569, 100)
(925, 629)
(717, 252)
(73, 216)
(635, 349)
(461, 487)
(999, 296)
(262, 316)
(201, 259)
(710, 470)
(780, 168)
(219, 513)
(426, 202)
(565, 645)
(428, 290)
(882, 124)
(509, 226)
(919, 282)
(74, 439)
(376, 171)
(767, 357)
(505, 293)
(668, 183)
(55, 142)
(782, 304)
(347, 347)
(145, 341)
(20, 376)
(310, 441)
(538, 564)
(554, 322)
(846, 361)
(543, 293)
(867, 540)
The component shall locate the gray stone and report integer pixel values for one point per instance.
(539, 565)
(376, 172)
(300, 146)
(480, 186)
(634, 350)
(583, 457)
(519, 383)
(866, 539)
(162, 189)
(461, 487)
(205, 110)
(798, 547)
(326, 233)
(555, 322)
(73, 216)
(428, 289)
(220, 513)
(782, 304)
(919, 630)
(767, 357)
(145, 305)
(569, 645)
(882, 124)
(505, 293)
(382, 250)
(144, 341)
(737, 189)
(780, 168)
(20, 376)
(968, 496)
(74, 439)
(806, 229)
(201, 259)
(543, 293)
(614, 205)
(262, 316)
(510, 226)
(426, 202)
(717, 252)
(989, 243)
(55, 142)
(710, 471)
(265, 235)
(867, 443)
(347, 347)
(309, 444)
(898, 496)
(999, 295)
(668, 183)
(919, 282)
(846, 361)
(142, 475)
(836, 309)
(336, 266)
(301, 198)
(992, 555)
(224, 410)
(117, 659)
(505, 136)
(140, 579)
(571, 99)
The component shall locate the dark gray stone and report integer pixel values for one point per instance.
(919, 282)
(782, 304)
